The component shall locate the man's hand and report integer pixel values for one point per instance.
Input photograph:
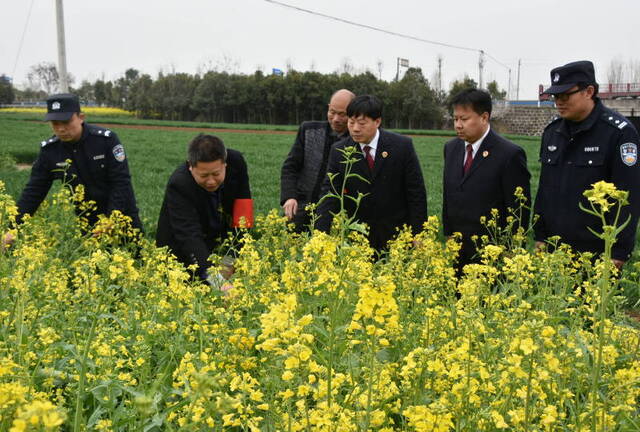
(227, 270)
(226, 288)
(7, 240)
(290, 208)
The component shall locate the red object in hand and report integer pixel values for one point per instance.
(243, 208)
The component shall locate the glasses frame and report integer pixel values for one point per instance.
(562, 97)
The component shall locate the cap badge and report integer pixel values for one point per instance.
(55, 106)
(629, 153)
(556, 77)
(552, 148)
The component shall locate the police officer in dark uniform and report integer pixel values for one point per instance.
(80, 153)
(586, 143)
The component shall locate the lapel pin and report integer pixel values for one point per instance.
(385, 154)
(485, 153)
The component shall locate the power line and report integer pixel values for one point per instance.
(389, 32)
(496, 60)
(342, 20)
(24, 31)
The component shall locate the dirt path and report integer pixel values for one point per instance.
(219, 130)
(195, 129)
(117, 126)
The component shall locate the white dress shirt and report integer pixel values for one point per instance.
(373, 144)
(475, 146)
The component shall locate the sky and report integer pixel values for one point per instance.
(104, 38)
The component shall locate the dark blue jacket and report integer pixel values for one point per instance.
(604, 147)
(98, 162)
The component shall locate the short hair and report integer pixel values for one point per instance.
(478, 100)
(206, 148)
(365, 105)
(583, 85)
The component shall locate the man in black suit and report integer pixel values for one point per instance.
(481, 172)
(199, 201)
(387, 172)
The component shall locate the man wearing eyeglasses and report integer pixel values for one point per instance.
(306, 165)
(586, 143)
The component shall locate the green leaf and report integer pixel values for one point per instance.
(359, 227)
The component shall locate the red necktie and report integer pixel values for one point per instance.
(469, 160)
(367, 154)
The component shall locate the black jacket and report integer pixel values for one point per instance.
(498, 167)
(185, 218)
(604, 147)
(395, 191)
(304, 168)
(98, 162)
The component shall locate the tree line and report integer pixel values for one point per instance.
(291, 98)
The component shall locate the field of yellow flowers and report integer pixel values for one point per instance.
(98, 333)
(89, 110)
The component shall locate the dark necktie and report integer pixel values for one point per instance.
(367, 153)
(469, 160)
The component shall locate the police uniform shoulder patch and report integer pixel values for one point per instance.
(100, 131)
(49, 141)
(118, 153)
(629, 153)
(614, 119)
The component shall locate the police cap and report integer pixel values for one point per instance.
(569, 75)
(62, 107)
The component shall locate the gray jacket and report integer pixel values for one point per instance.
(305, 167)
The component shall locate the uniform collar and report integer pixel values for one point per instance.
(85, 133)
(585, 124)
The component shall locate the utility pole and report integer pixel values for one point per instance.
(509, 86)
(480, 69)
(439, 75)
(401, 62)
(62, 52)
(518, 85)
